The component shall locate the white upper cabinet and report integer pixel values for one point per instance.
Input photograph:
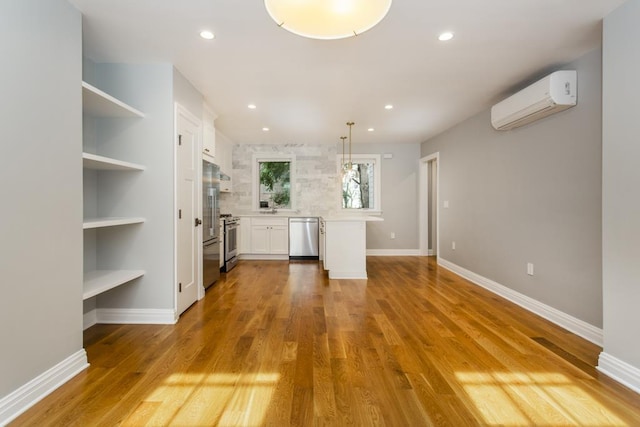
(209, 135)
(209, 140)
(224, 149)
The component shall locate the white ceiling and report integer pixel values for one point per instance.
(306, 90)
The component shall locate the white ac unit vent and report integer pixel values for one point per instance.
(554, 93)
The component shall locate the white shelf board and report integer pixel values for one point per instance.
(110, 222)
(99, 281)
(100, 104)
(93, 161)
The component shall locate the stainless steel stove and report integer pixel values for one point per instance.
(230, 229)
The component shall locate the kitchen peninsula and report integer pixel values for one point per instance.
(345, 246)
(343, 241)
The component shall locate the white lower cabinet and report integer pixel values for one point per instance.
(270, 236)
(279, 239)
(260, 239)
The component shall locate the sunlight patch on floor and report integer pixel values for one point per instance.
(221, 399)
(543, 399)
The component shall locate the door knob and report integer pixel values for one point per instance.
(198, 221)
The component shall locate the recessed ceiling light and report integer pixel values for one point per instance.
(207, 35)
(445, 36)
(371, 129)
(252, 106)
(388, 107)
(265, 129)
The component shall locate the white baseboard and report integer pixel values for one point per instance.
(430, 252)
(620, 371)
(136, 316)
(18, 401)
(347, 274)
(89, 319)
(393, 252)
(566, 321)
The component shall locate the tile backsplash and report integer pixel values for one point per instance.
(316, 188)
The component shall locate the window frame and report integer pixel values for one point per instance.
(377, 183)
(255, 187)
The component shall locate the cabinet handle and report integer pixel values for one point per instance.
(206, 149)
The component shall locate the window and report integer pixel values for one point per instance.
(273, 181)
(360, 187)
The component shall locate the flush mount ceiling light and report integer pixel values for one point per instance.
(327, 19)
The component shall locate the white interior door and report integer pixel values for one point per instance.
(187, 150)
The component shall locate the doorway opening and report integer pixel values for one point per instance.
(429, 205)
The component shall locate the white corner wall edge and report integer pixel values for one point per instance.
(17, 402)
(89, 319)
(393, 252)
(620, 371)
(136, 316)
(562, 319)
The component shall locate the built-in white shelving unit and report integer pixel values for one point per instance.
(98, 104)
(98, 281)
(93, 161)
(110, 222)
(101, 104)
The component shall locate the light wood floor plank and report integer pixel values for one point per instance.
(276, 343)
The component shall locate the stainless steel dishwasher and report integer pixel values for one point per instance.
(303, 238)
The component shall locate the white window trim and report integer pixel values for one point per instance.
(377, 182)
(255, 188)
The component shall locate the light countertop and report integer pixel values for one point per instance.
(329, 218)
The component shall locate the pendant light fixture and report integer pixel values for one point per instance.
(327, 19)
(343, 164)
(350, 124)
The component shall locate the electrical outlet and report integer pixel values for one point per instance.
(530, 269)
(393, 235)
(453, 246)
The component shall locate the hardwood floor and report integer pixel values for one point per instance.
(277, 343)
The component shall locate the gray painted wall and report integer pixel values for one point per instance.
(41, 229)
(317, 188)
(399, 196)
(532, 194)
(621, 181)
(187, 95)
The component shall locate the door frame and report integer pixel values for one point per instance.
(181, 110)
(424, 214)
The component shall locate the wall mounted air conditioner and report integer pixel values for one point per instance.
(554, 93)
